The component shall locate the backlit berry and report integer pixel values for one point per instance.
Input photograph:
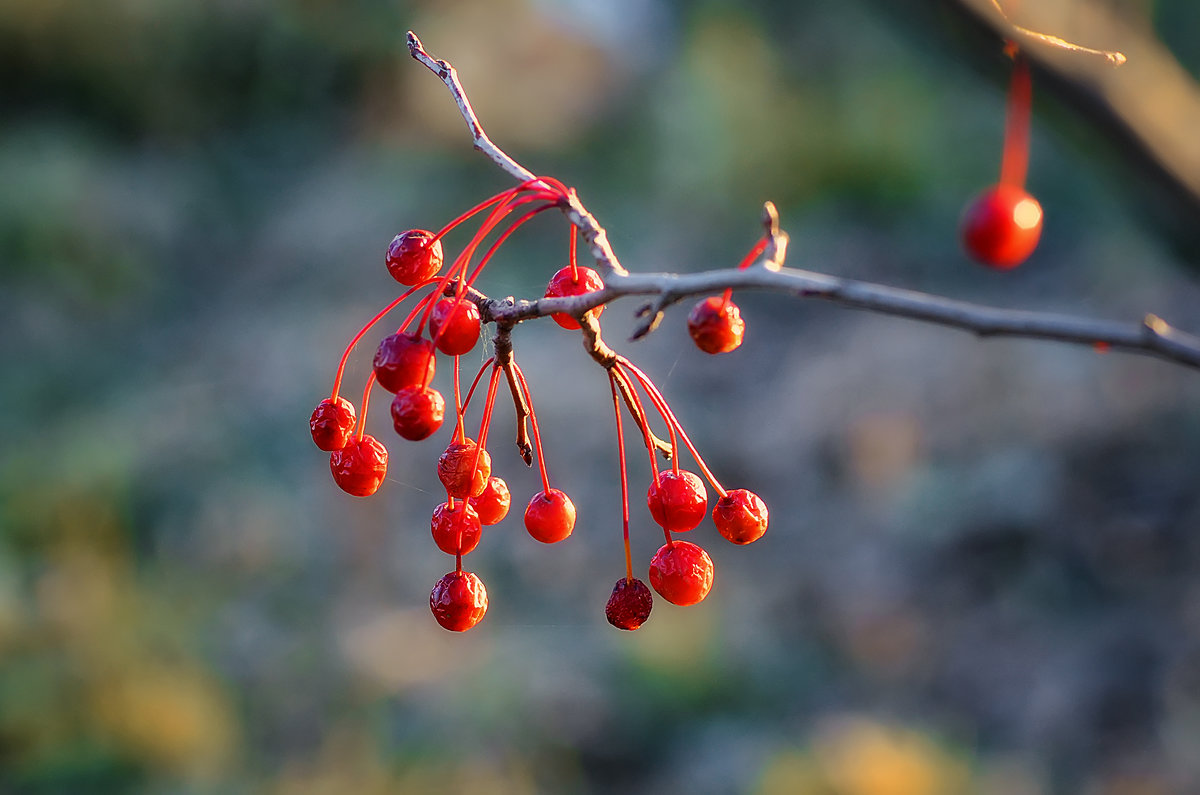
(454, 326)
(417, 412)
(462, 471)
(332, 424)
(458, 601)
(716, 325)
(630, 604)
(677, 501)
(493, 502)
(1001, 226)
(455, 530)
(411, 259)
(550, 516)
(681, 573)
(562, 285)
(740, 516)
(360, 466)
(404, 360)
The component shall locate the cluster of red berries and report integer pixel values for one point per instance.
(1001, 227)
(446, 319)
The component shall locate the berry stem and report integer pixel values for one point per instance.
(512, 228)
(671, 419)
(612, 383)
(537, 434)
(459, 435)
(362, 418)
(753, 254)
(641, 417)
(1015, 162)
(485, 423)
(337, 381)
(571, 254)
(478, 376)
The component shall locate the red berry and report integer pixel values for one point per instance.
(454, 325)
(360, 466)
(681, 572)
(677, 502)
(458, 471)
(562, 285)
(332, 424)
(417, 412)
(630, 604)
(455, 530)
(411, 260)
(458, 601)
(492, 503)
(550, 516)
(716, 325)
(740, 516)
(1001, 226)
(404, 360)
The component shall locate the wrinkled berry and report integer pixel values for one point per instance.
(716, 325)
(332, 424)
(455, 470)
(360, 466)
(411, 260)
(629, 605)
(454, 326)
(455, 530)
(740, 516)
(417, 412)
(681, 573)
(677, 501)
(458, 601)
(562, 285)
(404, 360)
(493, 502)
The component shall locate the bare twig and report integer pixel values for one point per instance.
(1026, 35)
(1151, 337)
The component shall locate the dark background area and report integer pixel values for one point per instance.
(982, 564)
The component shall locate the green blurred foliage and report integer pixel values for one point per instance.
(980, 574)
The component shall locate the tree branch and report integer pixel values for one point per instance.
(1152, 337)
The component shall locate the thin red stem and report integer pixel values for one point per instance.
(645, 418)
(512, 228)
(665, 409)
(612, 383)
(753, 254)
(572, 256)
(459, 435)
(1015, 163)
(537, 434)
(337, 381)
(485, 422)
(478, 376)
(362, 418)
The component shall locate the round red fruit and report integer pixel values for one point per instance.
(677, 501)
(740, 516)
(1001, 226)
(464, 469)
(630, 604)
(411, 259)
(404, 360)
(681, 573)
(360, 466)
(454, 326)
(458, 601)
(332, 423)
(455, 530)
(493, 502)
(550, 516)
(562, 285)
(417, 412)
(716, 325)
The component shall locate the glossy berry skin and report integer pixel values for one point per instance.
(360, 466)
(458, 601)
(1001, 226)
(562, 285)
(716, 325)
(681, 573)
(417, 412)
(455, 530)
(493, 502)
(455, 469)
(630, 604)
(454, 326)
(740, 516)
(332, 424)
(550, 516)
(411, 260)
(404, 360)
(678, 502)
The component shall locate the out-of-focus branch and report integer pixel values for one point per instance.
(1152, 337)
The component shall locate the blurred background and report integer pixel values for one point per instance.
(982, 569)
